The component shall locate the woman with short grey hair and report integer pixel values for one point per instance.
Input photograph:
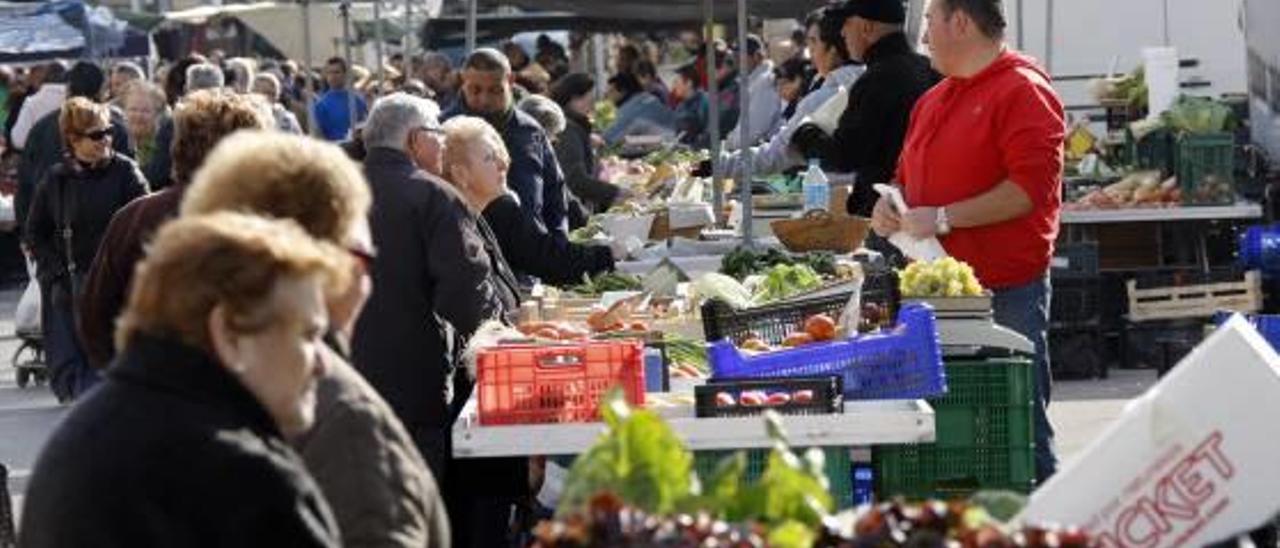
(548, 114)
(268, 86)
(204, 76)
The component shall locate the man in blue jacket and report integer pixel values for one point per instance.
(333, 108)
(534, 173)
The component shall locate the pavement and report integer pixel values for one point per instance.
(1081, 410)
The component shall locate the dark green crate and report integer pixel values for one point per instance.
(838, 469)
(1203, 161)
(1153, 151)
(984, 440)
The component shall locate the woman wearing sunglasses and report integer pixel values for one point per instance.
(69, 214)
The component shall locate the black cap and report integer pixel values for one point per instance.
(884, 11)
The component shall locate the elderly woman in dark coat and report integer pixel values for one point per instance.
(183, 443)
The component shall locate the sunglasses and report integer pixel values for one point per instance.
(97, 134)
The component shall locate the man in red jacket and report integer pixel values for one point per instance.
(981, 169)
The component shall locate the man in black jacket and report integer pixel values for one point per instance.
(45, 147)
(873, 126)
(437, 276)
(535, 173)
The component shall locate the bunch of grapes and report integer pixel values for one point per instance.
(609, 523)
(945, 277)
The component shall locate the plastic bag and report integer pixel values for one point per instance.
(26, 319)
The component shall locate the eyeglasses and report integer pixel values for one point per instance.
(97, 134)
(431, 130)
(364, 257)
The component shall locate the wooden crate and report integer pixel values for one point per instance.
(1195, 301)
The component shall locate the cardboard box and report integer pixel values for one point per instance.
(1195, 460)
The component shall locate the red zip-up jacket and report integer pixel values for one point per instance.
(968, 135)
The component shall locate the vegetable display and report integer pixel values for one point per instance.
(606, 282)
(743, 262)
(945, 277)
(786, 280)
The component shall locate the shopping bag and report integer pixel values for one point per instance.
(26, 319)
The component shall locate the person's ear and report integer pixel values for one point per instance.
(224, 339)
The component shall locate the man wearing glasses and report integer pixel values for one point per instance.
(437, 276)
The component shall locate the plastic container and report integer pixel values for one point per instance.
(1076, 301)
(1268, 325)
(1259, 249)
(556, 384)
(772, 323)
(985, 437)
(817, 189)
(905, 363)
(1205, 166)
(1078, 260)
(1154, 151)
(827, 397)
(837, 467)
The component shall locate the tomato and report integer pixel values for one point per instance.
(639, 326)
(725, 399)
(751, 399)
(797, 339)
(803, 396)
(780, 398)
(821, 327)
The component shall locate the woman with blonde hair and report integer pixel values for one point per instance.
(476, 163)
(377, 483)
(69, 214)
(183, 443)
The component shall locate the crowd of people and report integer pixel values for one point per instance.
(260, 279)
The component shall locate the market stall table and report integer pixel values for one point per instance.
(1173, 214)
(863, 423)
(1137, 239)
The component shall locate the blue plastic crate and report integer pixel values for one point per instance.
(905, 363)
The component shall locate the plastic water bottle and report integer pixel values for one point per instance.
(817, 190)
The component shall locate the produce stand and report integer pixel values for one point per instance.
(862, 424)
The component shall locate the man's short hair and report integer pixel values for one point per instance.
(85, 79)
(202, 119)
(488, 60)
(204, 76)
(129, 69)
(988, 15)
(337, 61)
(267, 84)
(394, 116)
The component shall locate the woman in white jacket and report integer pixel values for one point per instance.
(835, 75)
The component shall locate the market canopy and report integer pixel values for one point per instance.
(63, 30)
(624, 12)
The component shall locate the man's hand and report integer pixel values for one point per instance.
(921, 222)
(885, 219)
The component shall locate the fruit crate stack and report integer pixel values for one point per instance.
(984, 436)
(1075, 316)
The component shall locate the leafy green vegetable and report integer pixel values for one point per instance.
(1198, 115)
(743, 262)
(639, 459)
(606, 282)
(792, 534)
(790, 489)
(687, 351)
(719, 286)
(1001, 505)
(784, 281)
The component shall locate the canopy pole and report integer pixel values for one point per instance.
(406, 40)
(713, 89)
(344, 9)
(307, 68)
(378, 41)
(744, 124)
(472, 9)
(598, 61)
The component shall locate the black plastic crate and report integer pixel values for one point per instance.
(773, 322)
(827, 396)
(1077, 260)
(1075, 301)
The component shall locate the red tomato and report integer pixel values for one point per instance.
(725, 399)
(775, 400)
(803, 396)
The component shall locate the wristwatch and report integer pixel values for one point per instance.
(944, 223)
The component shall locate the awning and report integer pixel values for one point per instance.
(623, 12)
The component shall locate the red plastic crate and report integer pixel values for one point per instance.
(554, 384)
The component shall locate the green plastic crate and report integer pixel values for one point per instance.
(1153, 151)
(985, 437)
(839, 469)
(1206, 168)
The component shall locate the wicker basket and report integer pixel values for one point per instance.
(819, 230)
